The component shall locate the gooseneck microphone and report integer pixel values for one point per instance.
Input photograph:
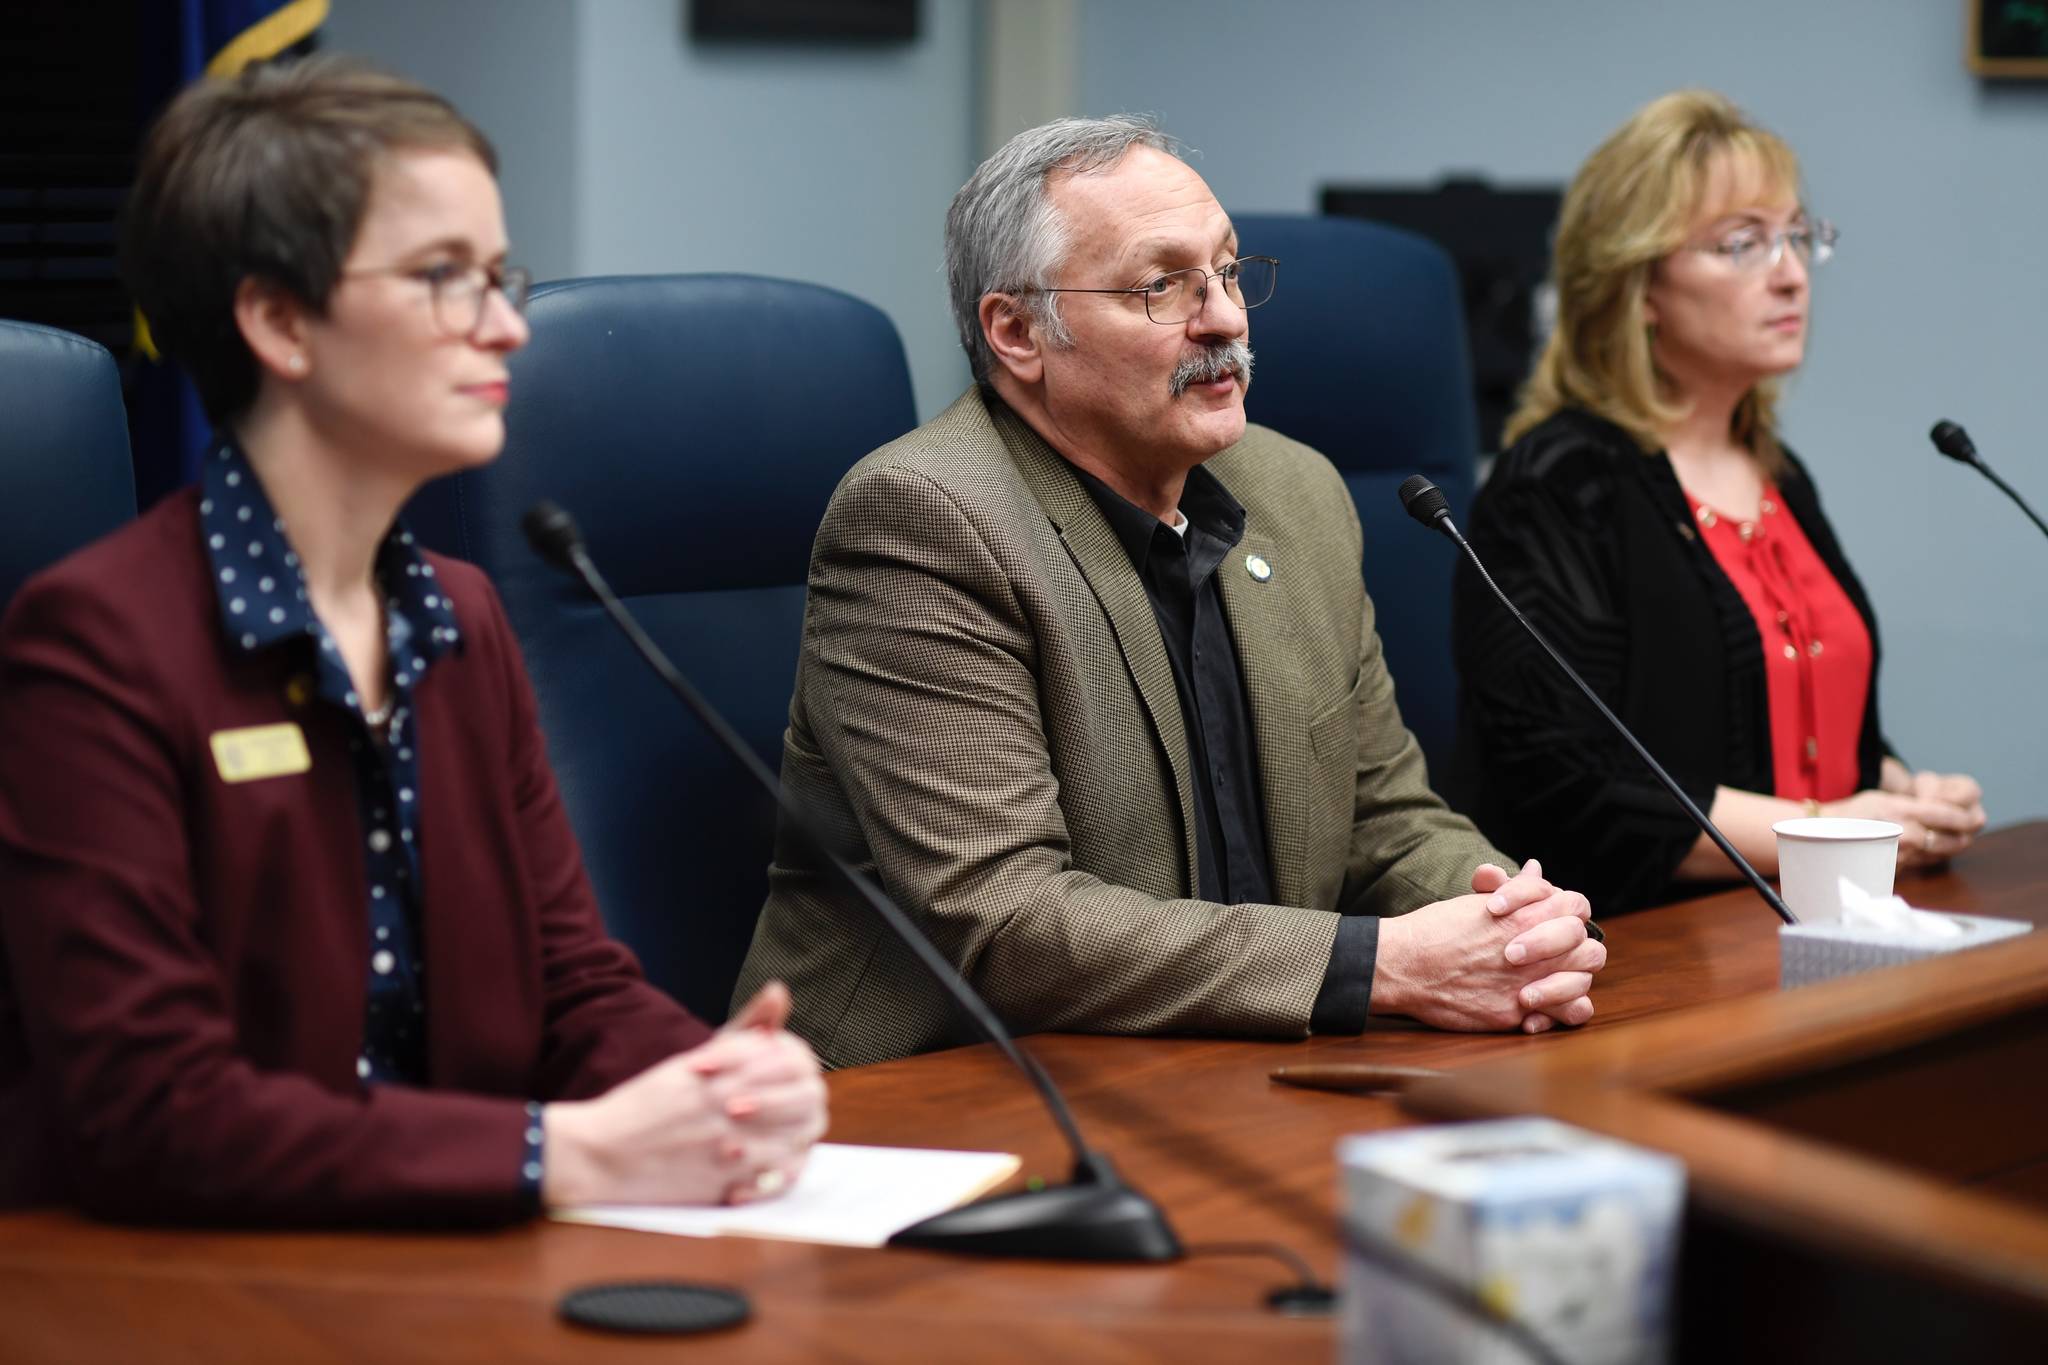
(1951, 440)
(1425, 502)
(1096, 1216)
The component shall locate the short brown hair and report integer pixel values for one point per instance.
(1628, 208)
(265, 175)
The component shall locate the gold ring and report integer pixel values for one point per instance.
(770, 1182)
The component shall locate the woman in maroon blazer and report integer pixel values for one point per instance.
(295, 928)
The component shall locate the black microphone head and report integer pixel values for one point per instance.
(552, 533)
(1951, 440)
(1424, 501)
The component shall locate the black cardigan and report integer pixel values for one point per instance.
(1594, 541)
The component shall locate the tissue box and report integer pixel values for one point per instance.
(1815, 951)
(1572, 1234)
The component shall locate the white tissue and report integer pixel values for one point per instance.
(1891, 915)
(1879, 931)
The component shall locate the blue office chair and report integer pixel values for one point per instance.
(695, 426)
(1361, 354)
(66, 478)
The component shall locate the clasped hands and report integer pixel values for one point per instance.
(1513, 955)
(728, 1122)
(1940, 813)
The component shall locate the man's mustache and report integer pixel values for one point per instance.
(1210, 364)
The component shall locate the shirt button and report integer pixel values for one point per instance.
(383, 962)
(1784, 618)
(1812, 747)
(1791, 651)
(1814, 649)
(380, 840)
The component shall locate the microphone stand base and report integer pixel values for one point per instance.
(1095, 1218)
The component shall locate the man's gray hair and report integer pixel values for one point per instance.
(1003, 234)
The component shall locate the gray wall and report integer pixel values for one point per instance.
(510, 66)
(629, 149)
(1936, 307)
(831, 164)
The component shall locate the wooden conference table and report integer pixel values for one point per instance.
(1794, 1250)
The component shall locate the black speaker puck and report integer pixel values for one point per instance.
(1303, 1301)
(655, 1307)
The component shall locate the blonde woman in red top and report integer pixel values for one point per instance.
(1648, 519)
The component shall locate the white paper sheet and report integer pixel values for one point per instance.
(847, 1196)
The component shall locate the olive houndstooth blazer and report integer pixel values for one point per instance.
(986, 718)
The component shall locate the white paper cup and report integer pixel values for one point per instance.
(1814, 854)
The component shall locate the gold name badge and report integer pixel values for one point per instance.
(260, 751)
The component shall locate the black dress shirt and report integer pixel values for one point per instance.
(1178, 568)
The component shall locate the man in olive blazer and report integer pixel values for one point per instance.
(987, 717)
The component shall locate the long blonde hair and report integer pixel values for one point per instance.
(1631, 205)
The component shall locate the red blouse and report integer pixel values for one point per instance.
(1816, 647)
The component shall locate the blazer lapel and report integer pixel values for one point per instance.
(1092, 544)
(1262, 622)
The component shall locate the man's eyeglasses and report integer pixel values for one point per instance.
(1752, 249)
(1180, 294)
(458, 291)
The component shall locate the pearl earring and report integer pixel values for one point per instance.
(296, 364)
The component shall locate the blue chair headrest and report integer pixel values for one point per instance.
(686, 422)
(1362, 349)
(66, 478)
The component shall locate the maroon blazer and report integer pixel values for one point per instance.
(187, 959)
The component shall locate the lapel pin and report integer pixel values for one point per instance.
(1258, 568)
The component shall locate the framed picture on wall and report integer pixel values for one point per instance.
(2008, 39)
(804, 21)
